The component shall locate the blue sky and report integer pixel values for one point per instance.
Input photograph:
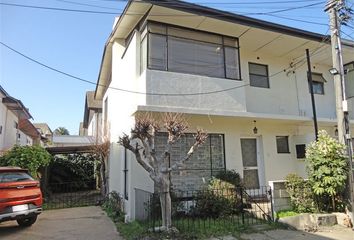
(73, 42)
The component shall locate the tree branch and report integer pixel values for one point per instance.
(200, 138)
(125, 142)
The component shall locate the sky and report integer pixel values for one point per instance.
(73, 42)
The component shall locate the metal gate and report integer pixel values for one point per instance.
(71, 194)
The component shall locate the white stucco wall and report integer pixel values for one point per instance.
(288, 95)
(10, 133)
(121, 107)
(95, 126)
(3, 113)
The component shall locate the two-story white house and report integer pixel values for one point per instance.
(15, 125)
(242, 79)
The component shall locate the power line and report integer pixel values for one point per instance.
(139, 14)
(58, 9)
(120, 89)
(85, 4)
(129, 91)
(175, 15)
(297, 20)
(155, 94)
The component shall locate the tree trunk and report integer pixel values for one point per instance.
(103, 178)
(166, 203)
(333, 204)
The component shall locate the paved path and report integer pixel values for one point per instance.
(324, 233)
(85, 223)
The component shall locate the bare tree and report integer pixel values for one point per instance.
(142, 145)
(101, 150)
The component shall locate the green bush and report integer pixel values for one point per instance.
(300, 192)
(218, 200)
(327, 170)
(230, 176)
(114, 205)
(31, 158)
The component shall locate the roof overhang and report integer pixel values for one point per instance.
(70, 149)
(28, 128)
(91, 105)
(17, 107)
(239, 115)
(262, 37)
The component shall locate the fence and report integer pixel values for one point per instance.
(71, 194)
(202, 210)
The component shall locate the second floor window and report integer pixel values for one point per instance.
(258, 75)
(317, 83)
(186, 51)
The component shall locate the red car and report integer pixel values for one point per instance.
(20, 196)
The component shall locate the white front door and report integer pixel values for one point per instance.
(252, 173)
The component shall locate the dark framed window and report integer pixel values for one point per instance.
(0, 129)
(258, 75)
(317, 83)
(282, 144)
(15, 125)
(300, 151)
(207, 161)
(177, 49)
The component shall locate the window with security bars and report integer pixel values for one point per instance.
(207, 161)
(258, 75)
(282, 144)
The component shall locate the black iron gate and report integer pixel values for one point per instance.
(71, 194)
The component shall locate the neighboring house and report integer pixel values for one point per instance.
(92, 124)
(15, 127)
(45, 132)
(242, 79)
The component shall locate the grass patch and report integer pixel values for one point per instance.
(132, 230)
(196, 228)
(286, 213)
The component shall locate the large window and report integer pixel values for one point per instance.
(258, 75)
(317, 83)
(207, 161)
(186, 51)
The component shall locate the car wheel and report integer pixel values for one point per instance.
(26, 222)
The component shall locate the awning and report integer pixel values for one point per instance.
(318, 77)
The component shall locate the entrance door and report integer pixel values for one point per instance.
(249, 151)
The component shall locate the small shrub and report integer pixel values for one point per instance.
(219, 200)
(113, 205)
(230, 176)
(301, 196)
(286, 213)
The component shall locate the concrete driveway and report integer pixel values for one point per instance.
(85, 223)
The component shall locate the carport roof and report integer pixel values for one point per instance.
(70, 149)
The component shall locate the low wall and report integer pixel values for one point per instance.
(280, 197)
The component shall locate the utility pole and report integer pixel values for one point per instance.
(344, 135)
(309, 77)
